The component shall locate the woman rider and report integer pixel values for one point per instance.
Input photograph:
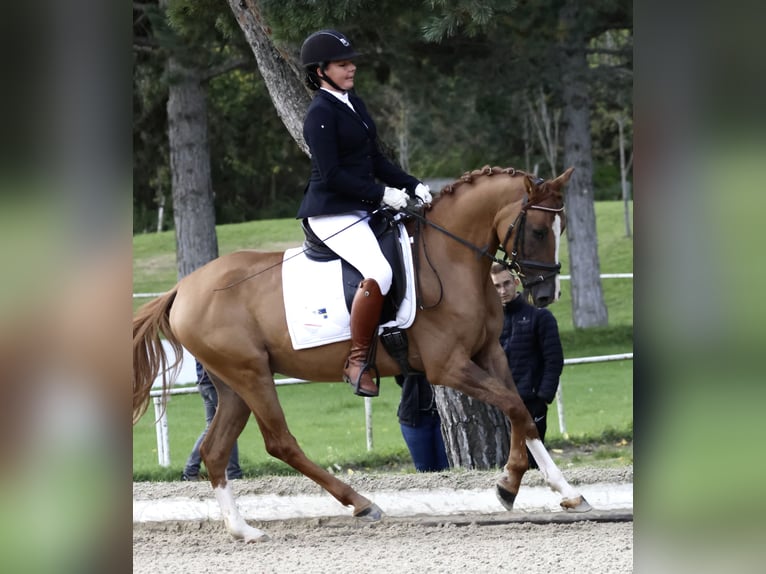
(347, 167)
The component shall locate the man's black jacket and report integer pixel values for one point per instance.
(531, 342)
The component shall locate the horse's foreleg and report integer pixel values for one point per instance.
(572, 501)
(480, 384)
(230, 419)
(509, 483)
(527, 437)
(489, 386)
(524, 434)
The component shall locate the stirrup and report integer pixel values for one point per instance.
(356, 385)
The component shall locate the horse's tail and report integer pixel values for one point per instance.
(149, 358)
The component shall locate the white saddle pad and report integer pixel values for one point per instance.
(314, 302)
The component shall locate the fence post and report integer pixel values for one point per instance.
(161, 426)
(560, 411)
(368, 421)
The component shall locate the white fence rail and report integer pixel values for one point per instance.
(160, 415)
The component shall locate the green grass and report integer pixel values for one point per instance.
(615, 256)
(329, 421)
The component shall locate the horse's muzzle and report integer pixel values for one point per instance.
(543, 293)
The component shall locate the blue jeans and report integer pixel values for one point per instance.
(426, 444)
(210, 400)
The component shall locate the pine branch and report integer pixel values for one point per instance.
(226, 67)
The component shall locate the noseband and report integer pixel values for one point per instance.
(546, 270)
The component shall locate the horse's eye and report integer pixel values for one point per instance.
(540, 233)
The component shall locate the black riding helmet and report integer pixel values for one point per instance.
(319, 50)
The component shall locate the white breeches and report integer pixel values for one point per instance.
(355, 242)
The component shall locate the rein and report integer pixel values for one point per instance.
(421, 219)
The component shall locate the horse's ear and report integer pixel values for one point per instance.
(562, 180)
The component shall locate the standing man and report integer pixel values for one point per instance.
(530, 339)
(420, 423)
(210, 400)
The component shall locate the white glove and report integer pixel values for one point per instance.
(396, 198)
(423, 193)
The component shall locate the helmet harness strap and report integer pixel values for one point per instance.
(326, 78)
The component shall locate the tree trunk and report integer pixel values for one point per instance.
(588, 307)
(624, 169)
(282, 77)
(476, 435)
(161, 213)
(193, 209)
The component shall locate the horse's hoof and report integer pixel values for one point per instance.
(505, 497)
(578, 504)
(370, 514)
(262, 537)
(248, 534)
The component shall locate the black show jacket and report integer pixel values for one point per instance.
(346, 163)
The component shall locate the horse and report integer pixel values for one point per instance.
(229, 314)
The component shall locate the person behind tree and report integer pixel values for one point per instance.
(210, 400)
(350, 178)
(420, 424)
(530, 339)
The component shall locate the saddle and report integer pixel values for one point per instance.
(386, 229)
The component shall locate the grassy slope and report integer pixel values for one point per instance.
(597, 398)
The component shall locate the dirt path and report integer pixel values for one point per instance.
(419, 544)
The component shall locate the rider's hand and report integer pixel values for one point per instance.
(396, 198)
(423, 193)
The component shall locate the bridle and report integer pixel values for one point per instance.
(523, 266)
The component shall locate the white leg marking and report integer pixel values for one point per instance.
(235, 524)
(551, 472)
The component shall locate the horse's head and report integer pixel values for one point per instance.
(535, 237)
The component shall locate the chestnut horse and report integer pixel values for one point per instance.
(239, 333)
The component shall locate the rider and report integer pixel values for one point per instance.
(343, 190)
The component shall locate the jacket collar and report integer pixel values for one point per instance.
(515, 304)
(342, 106)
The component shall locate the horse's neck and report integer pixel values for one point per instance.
(472, 210)
(469, 215)
(468, 211)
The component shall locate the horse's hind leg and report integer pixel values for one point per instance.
(281, 444)
(230, 419)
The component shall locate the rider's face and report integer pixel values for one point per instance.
(342, 73)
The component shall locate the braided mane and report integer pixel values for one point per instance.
(469, 176)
